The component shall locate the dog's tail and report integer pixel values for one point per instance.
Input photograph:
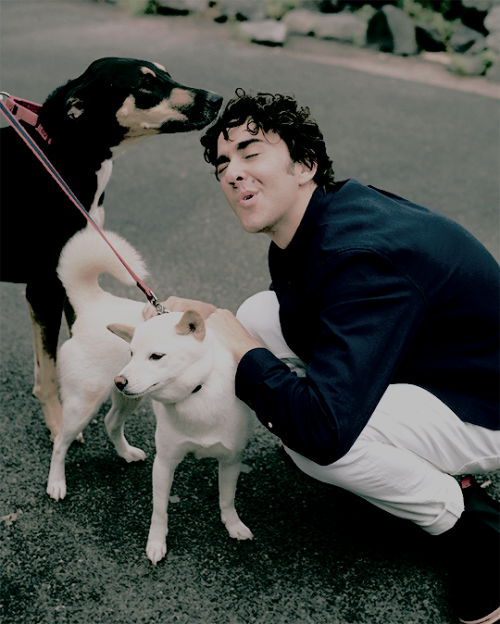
(86, 255)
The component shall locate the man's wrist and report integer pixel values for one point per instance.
(242, 349)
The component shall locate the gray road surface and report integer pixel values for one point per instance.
(320, 556)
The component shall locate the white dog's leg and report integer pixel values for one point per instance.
(76, 416)
(163, 475)
(56, 486)
(228, 477)
(78, 408)
(121, 409)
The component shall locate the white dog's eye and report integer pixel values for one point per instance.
(156, 356)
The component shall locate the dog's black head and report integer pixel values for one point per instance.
(128, 100)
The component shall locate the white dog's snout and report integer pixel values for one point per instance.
(121, 383)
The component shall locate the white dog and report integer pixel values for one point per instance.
(173, 358)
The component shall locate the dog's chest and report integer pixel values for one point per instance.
(103, 175)
(217, 450)
(211, 436)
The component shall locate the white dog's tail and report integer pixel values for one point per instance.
(86, 255)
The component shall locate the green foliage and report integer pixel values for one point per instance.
(476, 65)
(366, 12)
(137, 7)
(275, 9)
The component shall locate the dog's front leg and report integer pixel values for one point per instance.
(121, 409)
(228, 477)
(46, 314)
(163, 475)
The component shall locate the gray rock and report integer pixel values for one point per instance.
(479, 46)
(479, 5)
(184, 6)
(267, 32)
(342, 27)
(493, 42)
(492, 20)
(391, 30)
(464, 38)
(302, 21)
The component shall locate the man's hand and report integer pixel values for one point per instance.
(231, 333)
(177, 304)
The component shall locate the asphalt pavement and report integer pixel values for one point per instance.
(320, 555)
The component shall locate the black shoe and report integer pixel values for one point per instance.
(476, 557)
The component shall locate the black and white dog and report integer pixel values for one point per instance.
(113, 105)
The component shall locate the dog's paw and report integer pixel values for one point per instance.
(133, 454)
(56, 489)
(239, 531)
(156, 550)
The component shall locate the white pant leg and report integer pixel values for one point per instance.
(395, 481)
(403, 459)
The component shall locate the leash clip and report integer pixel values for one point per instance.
(157, 305)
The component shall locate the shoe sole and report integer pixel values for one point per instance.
(492, 618)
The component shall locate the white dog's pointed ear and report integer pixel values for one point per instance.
(191, 323)
(122, 331)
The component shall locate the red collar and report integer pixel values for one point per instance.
(27, 111)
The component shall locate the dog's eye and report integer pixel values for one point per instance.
(148, 82)
(156, 356)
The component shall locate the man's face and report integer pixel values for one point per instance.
(261, 183)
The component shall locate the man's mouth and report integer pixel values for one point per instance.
(245, 197)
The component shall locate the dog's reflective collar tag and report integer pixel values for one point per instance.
(197, 389)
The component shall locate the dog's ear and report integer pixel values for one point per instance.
(122, 331)
(74, 107)
(191, 323)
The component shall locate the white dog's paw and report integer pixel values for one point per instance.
(133, 454)
(56, 489)
(156, 550)
(237, 530)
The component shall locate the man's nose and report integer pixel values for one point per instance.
(234, 173)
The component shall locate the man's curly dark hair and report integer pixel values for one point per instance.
(280, 114)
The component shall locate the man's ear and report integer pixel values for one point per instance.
(191, 323)
(307, 171)
(122, 331)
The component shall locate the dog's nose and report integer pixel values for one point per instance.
(214, 100)
(121, 383)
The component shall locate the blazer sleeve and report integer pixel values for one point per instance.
(368, 316)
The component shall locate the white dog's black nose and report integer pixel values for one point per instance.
(121, 383)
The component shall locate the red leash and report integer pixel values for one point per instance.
(28, 111)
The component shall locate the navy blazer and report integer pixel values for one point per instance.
(375, 290)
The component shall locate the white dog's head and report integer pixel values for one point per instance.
(170, 357)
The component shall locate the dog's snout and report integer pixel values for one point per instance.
(121, 383)
(214, 100)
